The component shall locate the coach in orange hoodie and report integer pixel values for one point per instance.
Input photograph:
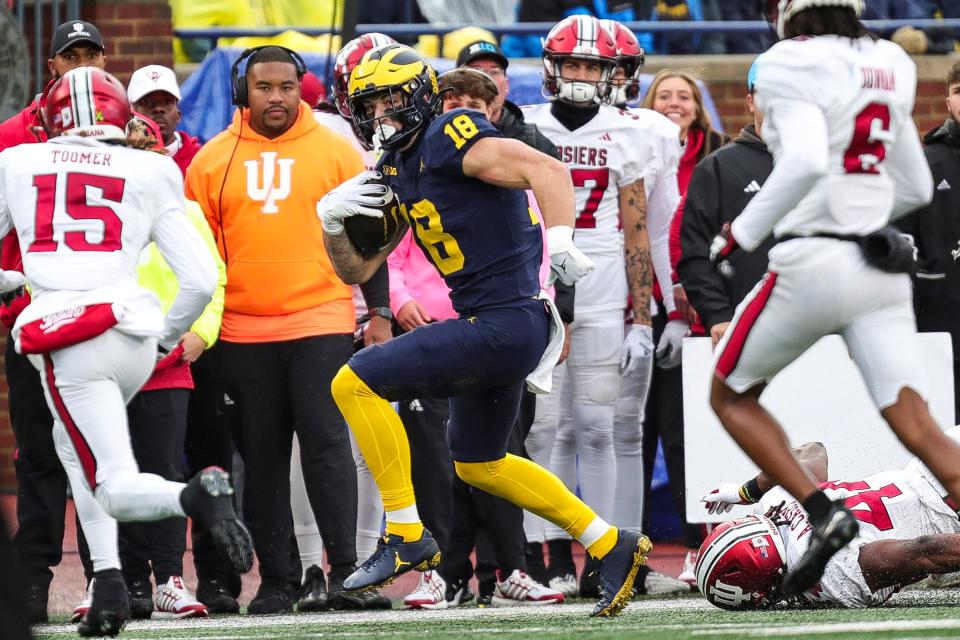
(288, 320)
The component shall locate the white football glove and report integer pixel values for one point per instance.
(723, 498)
(670, 347)
(10, 281)
(636, 351)
(567, 263)
(357, 196)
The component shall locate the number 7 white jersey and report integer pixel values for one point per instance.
(83, 210)
(864, 90)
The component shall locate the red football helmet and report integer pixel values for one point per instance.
(779, 12)
(629, 58)
(85, 101)
(741, 563)
(349, 57)
(578, 36)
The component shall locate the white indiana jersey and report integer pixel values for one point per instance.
(891, 505)
(612, 150)
(83, 210)
(852, 100)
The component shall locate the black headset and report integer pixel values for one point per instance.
(238, 81)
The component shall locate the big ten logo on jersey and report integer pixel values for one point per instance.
(263, 184)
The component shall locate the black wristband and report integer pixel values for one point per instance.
(751, 492)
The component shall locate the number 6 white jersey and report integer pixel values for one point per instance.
(83, 210)
(840, 110)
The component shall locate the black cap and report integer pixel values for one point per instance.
(72, 32)
(481, 49)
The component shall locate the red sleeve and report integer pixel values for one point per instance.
(675, 250)
(16, 129)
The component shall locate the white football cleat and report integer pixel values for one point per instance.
(81, 609)
(521, 589)
(658, 584)
(431, 592)
(174, 601)
(565, 584)
(688, 573)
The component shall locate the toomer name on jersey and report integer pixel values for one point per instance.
(877, 78)
(588, 156)
(101, 158)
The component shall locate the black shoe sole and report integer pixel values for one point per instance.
(813, 563)
(222, 608)
(234, 541)
(310, 606)
(107, 624)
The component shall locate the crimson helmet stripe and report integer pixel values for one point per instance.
(727, 540)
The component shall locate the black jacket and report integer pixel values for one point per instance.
(512, 125)
(721, 186)
(936, 232)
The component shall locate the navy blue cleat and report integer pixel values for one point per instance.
(392, 558)
(617, 571)
(839, 528)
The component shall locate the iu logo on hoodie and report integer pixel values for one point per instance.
(262, 184)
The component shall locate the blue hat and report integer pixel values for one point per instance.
(752, 75)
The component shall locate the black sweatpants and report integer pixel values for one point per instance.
(431, 467)
(280, 388)
(209, 443)
(158, 425)
(663, 420)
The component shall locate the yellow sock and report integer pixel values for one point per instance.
(604, 544)
(532, 487)
(380, 437)
(410, 532)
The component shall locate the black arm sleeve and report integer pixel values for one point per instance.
(376, 290)
(564, 300)
(701, 222)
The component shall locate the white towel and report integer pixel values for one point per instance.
(540, 379)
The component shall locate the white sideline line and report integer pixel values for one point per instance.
(833, 627)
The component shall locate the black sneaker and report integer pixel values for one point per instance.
(270, 600)
(355, 600)
(484, 600)
(313, 593)
(208, 498)
(833, 534)
(37, 604)
(110, 608)
(459, 592)
(590, 578)
(617, 571)
(215, 595)
(141, 599)
(392, 558)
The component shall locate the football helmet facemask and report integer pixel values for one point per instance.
(581, 37)
(85, 101)
(400, 74)
(349, 57)
(779, 12)
(630, 58)
(741, 564)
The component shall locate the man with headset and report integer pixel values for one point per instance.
(288, 320)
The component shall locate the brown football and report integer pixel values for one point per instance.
(370, 235)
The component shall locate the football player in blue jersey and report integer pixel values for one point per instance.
(460, 186)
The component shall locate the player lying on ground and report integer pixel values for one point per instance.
(460, 185)
(909, 528)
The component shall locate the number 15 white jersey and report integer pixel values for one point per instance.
(83, 211)
(841, 106)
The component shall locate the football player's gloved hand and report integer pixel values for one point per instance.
(567, 263)
(723, 498)
(670, 347)
(723, 245)
(360, 195)
(636, 351)
(12, 286)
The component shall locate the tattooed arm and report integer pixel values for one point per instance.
(636, 249)
(351, 267)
